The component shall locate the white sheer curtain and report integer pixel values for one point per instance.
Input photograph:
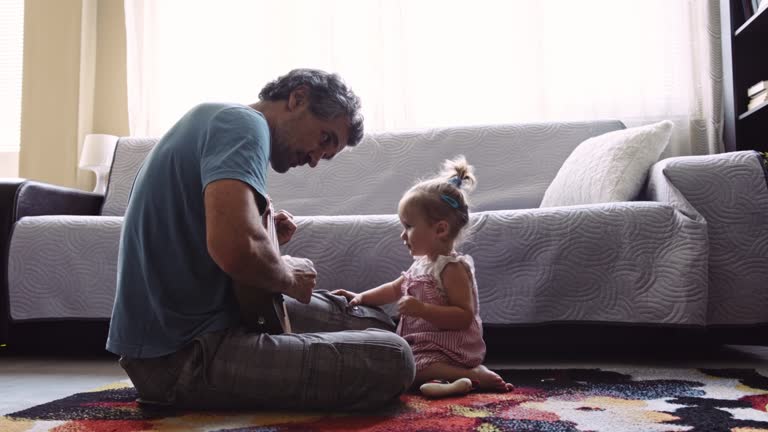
(425, 63)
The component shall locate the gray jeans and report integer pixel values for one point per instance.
(337, 357)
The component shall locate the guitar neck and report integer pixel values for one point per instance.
(275, 320)
(269, 222)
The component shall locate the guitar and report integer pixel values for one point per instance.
(272, 315)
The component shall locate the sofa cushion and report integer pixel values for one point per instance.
(608, 168)
(592, 263)
(63, 267)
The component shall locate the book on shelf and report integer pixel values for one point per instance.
(757, 99)
(751, 7)
(759, 87)
(746, 6)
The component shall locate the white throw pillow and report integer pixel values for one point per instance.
(609, 167)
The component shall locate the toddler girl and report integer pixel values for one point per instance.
(437, 296)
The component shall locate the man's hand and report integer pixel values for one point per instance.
(410, 306)
(354, 299)
(284, 226)
(304, 278)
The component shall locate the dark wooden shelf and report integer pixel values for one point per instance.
(745, 63)
(762, 107)
(755, 24)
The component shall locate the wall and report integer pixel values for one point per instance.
(74, 84)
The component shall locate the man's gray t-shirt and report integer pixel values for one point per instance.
(169, 289)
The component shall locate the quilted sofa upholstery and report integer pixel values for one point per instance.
(690, 252)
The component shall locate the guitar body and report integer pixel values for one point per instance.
(272, 315)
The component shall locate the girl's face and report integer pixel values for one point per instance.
(419, 235)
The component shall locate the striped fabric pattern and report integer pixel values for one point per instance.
(464, 348)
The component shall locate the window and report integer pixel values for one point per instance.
(433, 63)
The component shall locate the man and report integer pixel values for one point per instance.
(194, 254)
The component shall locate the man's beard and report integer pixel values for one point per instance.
(279, 164)
(281, 157)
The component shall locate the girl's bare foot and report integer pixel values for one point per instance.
(482, 378)
(443, 389)
(488, 380)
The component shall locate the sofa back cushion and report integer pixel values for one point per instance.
(515, 163)
(129, 155)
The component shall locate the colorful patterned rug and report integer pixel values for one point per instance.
(550, 400)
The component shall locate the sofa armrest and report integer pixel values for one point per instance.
(8, 189)
(730, 192)
(634, 262)
(20, 198)
(39, 199)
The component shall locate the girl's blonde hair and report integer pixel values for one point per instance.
(445, 196)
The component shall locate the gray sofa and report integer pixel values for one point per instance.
(691, 253)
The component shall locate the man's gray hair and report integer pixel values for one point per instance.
(329, 97)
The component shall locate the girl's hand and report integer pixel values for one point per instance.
(410, 306)
(354, 299)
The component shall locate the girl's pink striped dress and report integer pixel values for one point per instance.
(462, 348)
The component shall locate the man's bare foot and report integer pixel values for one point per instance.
(488, 380)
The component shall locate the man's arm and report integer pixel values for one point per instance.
(237, 242)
